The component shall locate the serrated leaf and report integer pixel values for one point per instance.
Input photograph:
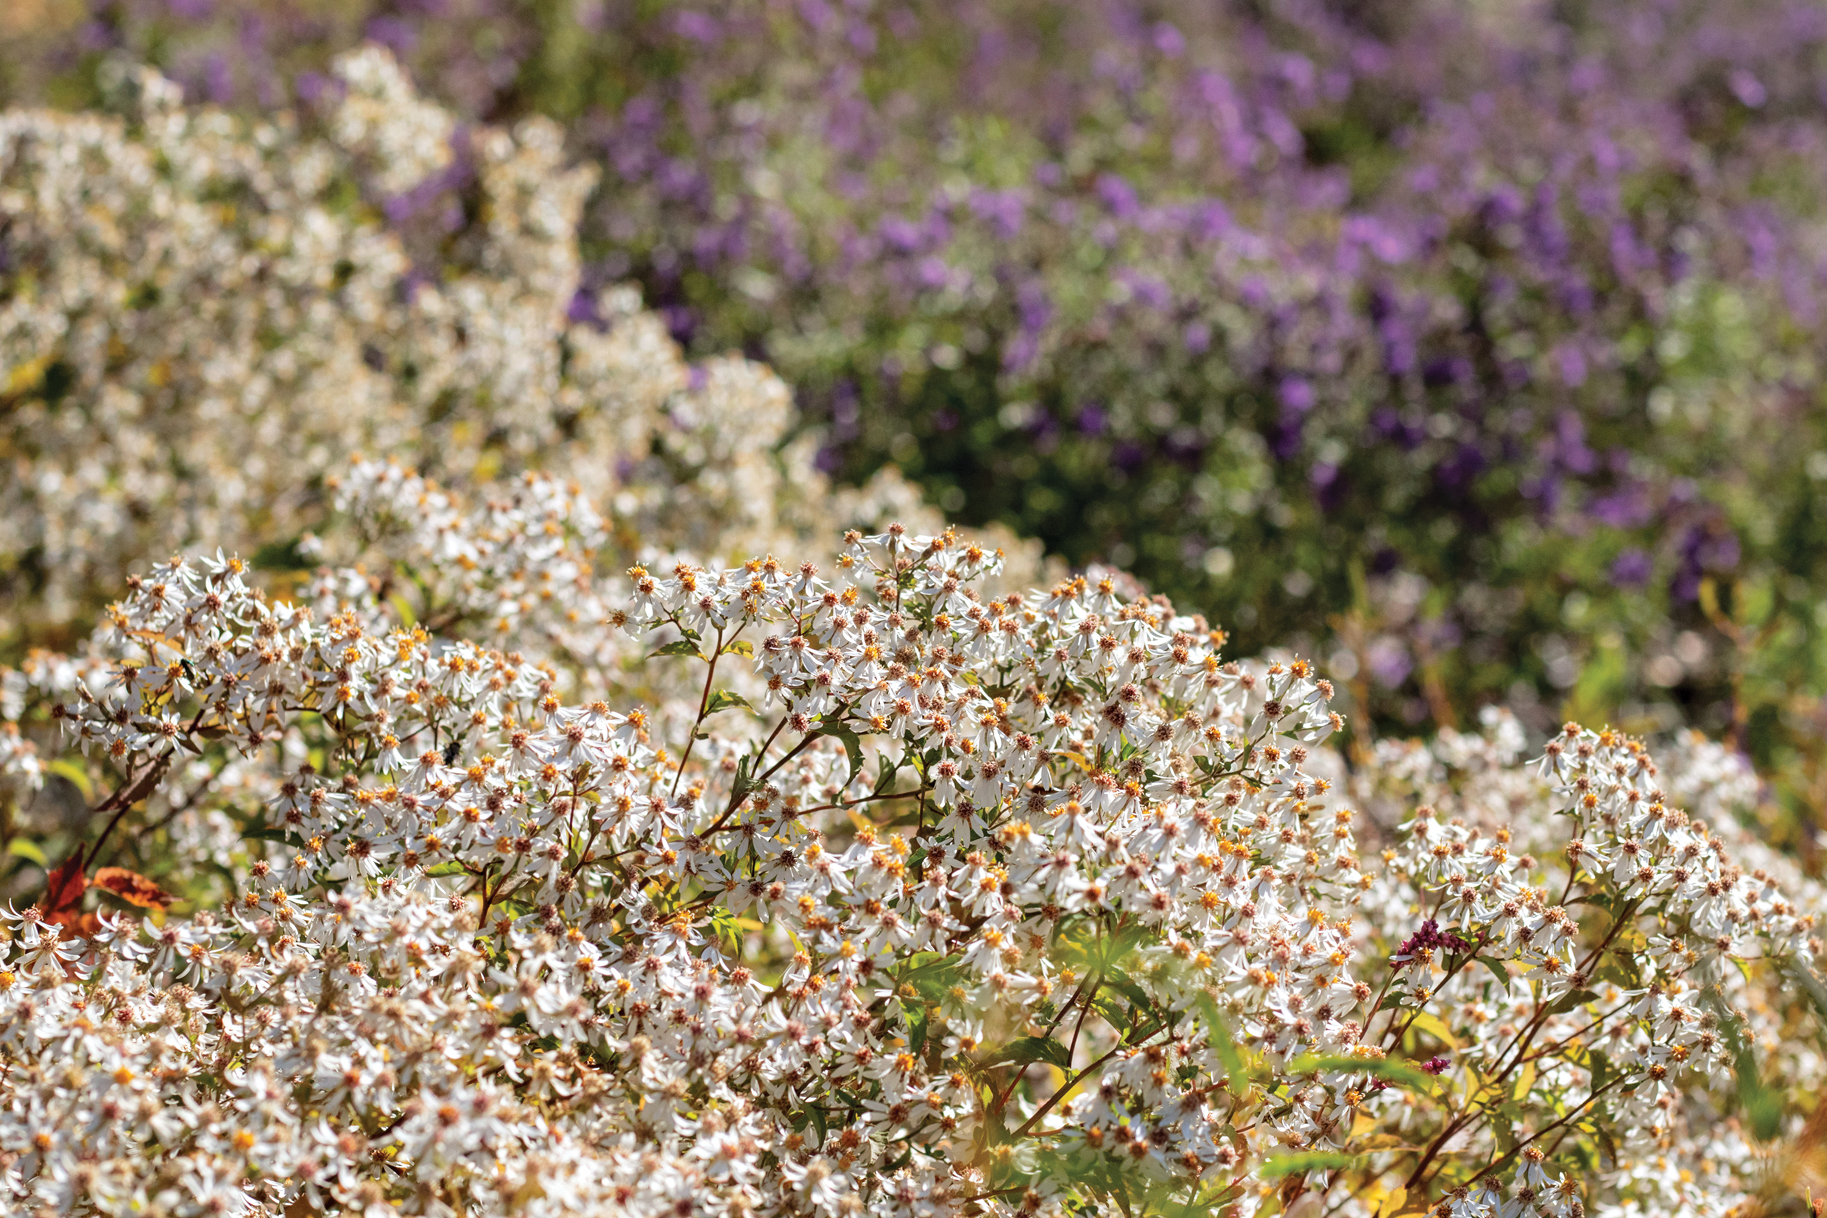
(678, 647)
(723, 699)
(740, 647)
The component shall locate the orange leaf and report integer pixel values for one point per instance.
(63, 890)
(84, 925)
(132, 887)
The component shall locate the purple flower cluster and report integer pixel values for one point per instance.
(1430, 938)
(1492, 333)
(1483, 303)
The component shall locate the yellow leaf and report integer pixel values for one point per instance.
(76, 774)
(403, 607)
(1382, 1201)
(1524, 1082)
(1436, 1027)
(27, 376)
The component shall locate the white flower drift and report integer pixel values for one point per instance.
(1660, 946)
(897, 897)
(507, 877)
(202, 318)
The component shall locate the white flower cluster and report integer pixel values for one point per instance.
(1663, 967)
(201, 319)
(903, 898)
(480, 880)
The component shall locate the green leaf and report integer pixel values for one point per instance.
(1033, 1049)
(261, 832)
(66, 768)
(281, 556)
(1114, 1012)
(1503, 1128)
(886, 778)
(1602, 1072)
(1116, 979)
(933, 981)
(818, 1123)
(740, 647)
(678, 647)
(1570, 1000)
(1224, 1042)
(1499, 971)
(403, 607)
(917, 1021)
(1388, 1069)
(1277, 1166)
(853, 747)
(1816, 990)
(27, 850)
(740, 788)
(723, 699)
(1763, 1104)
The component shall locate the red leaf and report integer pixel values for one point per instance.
(132, 887)
(83, 925)
(63, 891)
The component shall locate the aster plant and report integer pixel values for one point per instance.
(896, 896)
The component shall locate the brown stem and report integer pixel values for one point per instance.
(703, 707)
(1074, 1081)
(720, 827)
(128, 794)
(1547, 1129)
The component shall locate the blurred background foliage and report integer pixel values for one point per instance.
(1472, 347)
